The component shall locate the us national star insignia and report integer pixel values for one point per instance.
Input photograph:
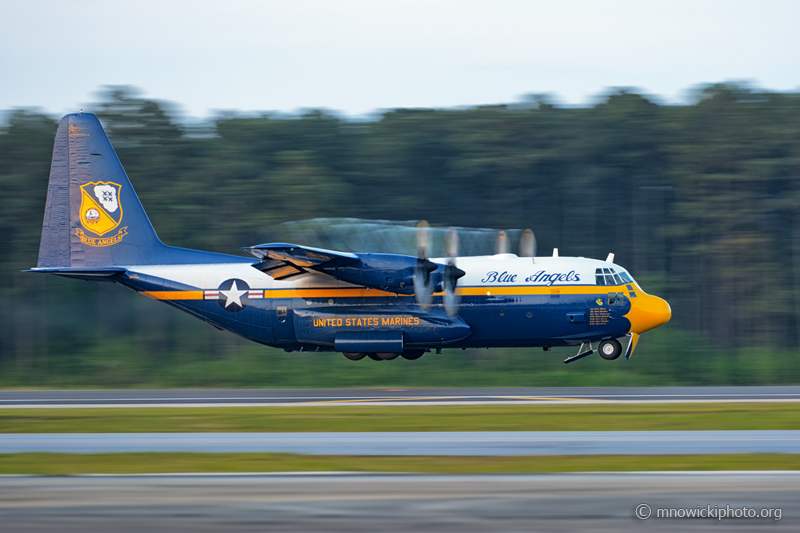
(233, 295)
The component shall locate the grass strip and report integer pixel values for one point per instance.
(173, 463)
(372, 417)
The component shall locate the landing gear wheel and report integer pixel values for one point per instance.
(354, 356)
(411, 355)
(610, 349)
(388, 356)
(374, 357)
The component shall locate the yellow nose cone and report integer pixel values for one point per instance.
(648, 312)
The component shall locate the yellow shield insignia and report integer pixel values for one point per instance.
(101, 210)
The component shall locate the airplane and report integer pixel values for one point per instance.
(301, 298)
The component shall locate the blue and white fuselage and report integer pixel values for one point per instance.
(302, 298)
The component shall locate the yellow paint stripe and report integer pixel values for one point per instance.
(174, 295)
(374, 293)
(466, 291)
(517, 290)
(323, 293)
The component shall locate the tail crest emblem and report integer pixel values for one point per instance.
(100, 213)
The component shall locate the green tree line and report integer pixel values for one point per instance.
(701, 202)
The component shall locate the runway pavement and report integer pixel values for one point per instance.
(395, 503)
(306, 397)
(486, 443)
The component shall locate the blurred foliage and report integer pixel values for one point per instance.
(700, 202)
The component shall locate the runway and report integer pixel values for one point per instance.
(395, 503)
(464, 443)
(319, 397)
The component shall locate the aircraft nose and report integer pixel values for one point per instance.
(648, 312)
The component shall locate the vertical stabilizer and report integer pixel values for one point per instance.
(93, 217)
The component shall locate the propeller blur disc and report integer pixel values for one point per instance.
(423, 239)
(451, 244)
(501, 245)
(452, 298)
(527, 244)
(423, 287)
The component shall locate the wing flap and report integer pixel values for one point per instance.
(282, 261)
(283, 271)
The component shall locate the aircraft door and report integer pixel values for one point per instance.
(282, 321)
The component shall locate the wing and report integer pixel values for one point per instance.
(386, 272)
(282, 261)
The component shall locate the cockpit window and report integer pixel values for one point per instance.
(609, 276)
(599, 279)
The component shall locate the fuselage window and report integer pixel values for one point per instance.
(616, 298)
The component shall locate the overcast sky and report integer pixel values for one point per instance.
(357, 56)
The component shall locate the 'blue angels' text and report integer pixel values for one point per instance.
(542, 276)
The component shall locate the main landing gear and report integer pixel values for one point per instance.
(384, 356)
(609, 350)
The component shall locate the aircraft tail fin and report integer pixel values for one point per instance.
(93, 217)
(93, 220)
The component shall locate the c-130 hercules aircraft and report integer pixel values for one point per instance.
(299, 298)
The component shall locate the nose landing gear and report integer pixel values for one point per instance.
(609, 349)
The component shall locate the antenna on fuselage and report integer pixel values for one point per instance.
(555, 252)
(610, 258)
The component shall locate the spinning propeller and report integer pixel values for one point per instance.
(423, 286)
(423, 279)
(452, 299)
(501, 245)
(527, 244)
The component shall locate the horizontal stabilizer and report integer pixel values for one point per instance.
(89, 274)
